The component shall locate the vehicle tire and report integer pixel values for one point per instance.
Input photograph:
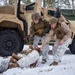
(72, 46)
(10, 42)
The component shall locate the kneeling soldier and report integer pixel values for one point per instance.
(63, 34)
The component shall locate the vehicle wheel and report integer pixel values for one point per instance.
(72, 46)
(10, 42)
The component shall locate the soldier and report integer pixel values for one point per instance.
(27, 58)
(63, 34)
(38, 31)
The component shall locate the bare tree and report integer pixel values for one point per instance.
(72, 7)
(3, 2)
(26, 1)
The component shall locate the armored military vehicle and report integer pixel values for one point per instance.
(15, 21)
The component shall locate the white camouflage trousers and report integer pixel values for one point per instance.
(29, 59)
(59, 50)
(3, 65)
(45, 48)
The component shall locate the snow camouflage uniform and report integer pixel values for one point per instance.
(62, 32)
(29, 59)
(26, 58)
(41, 29)
(3, 65)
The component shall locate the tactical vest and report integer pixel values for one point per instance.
(39, 26)
(59, 32)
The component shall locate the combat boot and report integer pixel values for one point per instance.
(44, 61)
(54, 63)
(33, 65)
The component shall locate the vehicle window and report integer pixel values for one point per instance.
(30, 7)
(51, 13)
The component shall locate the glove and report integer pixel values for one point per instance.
(40, 31)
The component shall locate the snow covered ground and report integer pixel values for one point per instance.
(66, 67)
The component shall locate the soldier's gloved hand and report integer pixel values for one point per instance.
(40, 31)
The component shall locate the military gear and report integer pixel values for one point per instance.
(59, 31)
(15, 56)
(59, 50)
(26, 52)
(33, 65)
(29, 59)
(45, 48)
(13, 60)
(31, 46)
(35, 16)
(31, 37)
(43, 25)
(39, 29)
(53, 20)
(40, 32)
(65, 29)
(39, 26)
(54, 63)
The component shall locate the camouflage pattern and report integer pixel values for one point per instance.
(29, 59)
(3, 65)
(59, 50)
(53, 20)
(67, 35)
(43, 25)
(63, 33)
(38, 32)
(35, 16)
(45, 48)
(59, 32)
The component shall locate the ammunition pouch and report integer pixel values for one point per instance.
(60, 33)
(39, 26)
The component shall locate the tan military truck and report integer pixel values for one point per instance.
(15, 21)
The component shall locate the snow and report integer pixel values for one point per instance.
(65, 67)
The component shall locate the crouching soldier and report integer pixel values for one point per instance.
(63, 34)
(38, 31)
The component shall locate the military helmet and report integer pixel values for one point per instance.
(53, 20)
(35, 16)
